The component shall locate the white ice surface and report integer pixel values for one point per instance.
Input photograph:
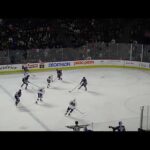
(113, 95)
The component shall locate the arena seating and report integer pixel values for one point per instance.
(30, 33)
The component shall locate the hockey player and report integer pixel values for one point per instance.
(17, 97)
(25, 81)
(26, 74)
(76, 127)
(59, 74)
(25, 68)
(41, 92)
(49, 80)
(52, 78)
(120, 128)
(72, 106)
(83, 83)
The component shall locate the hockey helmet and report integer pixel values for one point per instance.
(83, 77)
(76, 122)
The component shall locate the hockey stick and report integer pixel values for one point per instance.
(74, 88)
(55, 79)
(33, 75)
(79, 111)
(34, 84)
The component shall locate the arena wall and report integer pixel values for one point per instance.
(78, 64)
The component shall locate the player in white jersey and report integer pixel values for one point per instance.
(72, 106)
(41, 92)
(49, 80)
(26, 74)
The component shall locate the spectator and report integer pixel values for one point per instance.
(120, 128)
(76, 127)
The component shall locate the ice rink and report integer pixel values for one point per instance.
(113, 95)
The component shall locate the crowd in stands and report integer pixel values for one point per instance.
(28, 33)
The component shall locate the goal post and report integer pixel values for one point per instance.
(145, 118)
(141, 117)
